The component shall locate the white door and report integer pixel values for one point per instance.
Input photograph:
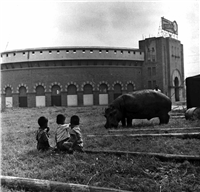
(40, 101)
(72, 100)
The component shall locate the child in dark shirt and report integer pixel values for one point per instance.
(42, 135)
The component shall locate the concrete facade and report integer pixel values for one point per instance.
(81, 76)
(164, 66)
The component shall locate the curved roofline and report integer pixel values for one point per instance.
(70, 47)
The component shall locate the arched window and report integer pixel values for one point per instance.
(87, 89)
(88, 95)
(117, 90)
(71, 90)
(40, 96)
(130, 87)
(55, 95)
(103, 88)
(40, 90)
(8, 92)
(55, 90)
(22, 91)
(22, 97)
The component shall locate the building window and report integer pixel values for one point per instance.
(154, 71)
(153, 49)
(67, 51)
(121, 52)
(149, 71)
(83, 51)
(149, 85)
(58, 51)
(115, 51)
(40, 52)
(153, 58)
(148, 57)
(74, 51)
(50, 52)
(106, 51)
(154, 83)
(100, 51)
(91, 51)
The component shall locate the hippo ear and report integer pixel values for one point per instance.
(111, 107)
(106, 109)
(114, 112)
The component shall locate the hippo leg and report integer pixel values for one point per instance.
(129, 122)
(164, 118)
(123, 122)
(167, 119)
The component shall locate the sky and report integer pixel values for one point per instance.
(50, 23)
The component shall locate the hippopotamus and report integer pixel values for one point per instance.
(143, 104)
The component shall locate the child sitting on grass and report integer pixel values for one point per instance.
(75, 141)
(42, 134)
(62, 133)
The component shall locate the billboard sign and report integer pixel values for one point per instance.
(169, 26)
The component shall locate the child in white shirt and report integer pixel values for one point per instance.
(62, 133)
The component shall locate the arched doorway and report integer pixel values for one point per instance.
(55, 95)
(117, 90)
(9, 99)
(40, 96)
(72, 98)
(22, 97)
(88, 95)
(103, 94)
(176, 84)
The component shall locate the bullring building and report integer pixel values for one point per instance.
(86, 76)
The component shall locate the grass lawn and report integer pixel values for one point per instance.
(20, 158)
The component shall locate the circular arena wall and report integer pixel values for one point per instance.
(68, 76)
